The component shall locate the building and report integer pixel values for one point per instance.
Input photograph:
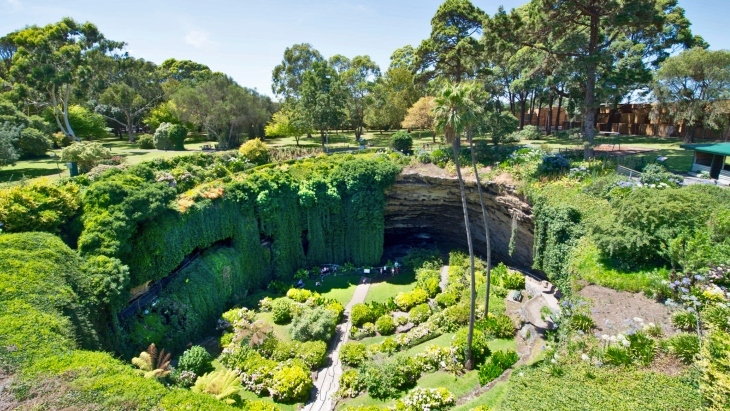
(711, 158)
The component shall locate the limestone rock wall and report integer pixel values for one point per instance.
(421, 203)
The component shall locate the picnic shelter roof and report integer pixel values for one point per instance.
(720, 149)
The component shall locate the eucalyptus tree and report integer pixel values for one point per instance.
(452, 49)
(288, 76)
(129, 88)
(359, 82)
(54, 61)
(597, 36)
(694, 88)
(322, 98)
(392, 96)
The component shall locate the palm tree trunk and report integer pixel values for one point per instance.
(486, 224)
(470, 336)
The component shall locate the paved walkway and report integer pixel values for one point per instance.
(328, 379)
(444, 277)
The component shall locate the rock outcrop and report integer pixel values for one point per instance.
(423, 204)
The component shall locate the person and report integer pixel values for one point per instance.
(300, 284)
(396, 265)
(318, 284)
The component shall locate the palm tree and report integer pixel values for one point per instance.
(451, 117)
(473, 111)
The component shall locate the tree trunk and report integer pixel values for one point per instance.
(130, 128)
(611, 114)
(470, 336)
(65, 114)
(539, 111)
(590, 100)
(532, 105)
(486, 223)
(522, 113)
(560, 105)
(549, 120)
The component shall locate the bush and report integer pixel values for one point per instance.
(85, 154)
(291, 384)
(33, 143)
(513, 281)
(385, 325)
(313, 353)
(655, 174)
(255, 151)
(361, 314)
(196, 359)
(281, 311)
(407, 300)
(420, 399)
(299, 295)
(642, 348)
(350, 384)
(314, 324)
(162, 138)
(177, 133)
(419, 313)
(479, 348)
(684, 346)
(402, 141)
(581, 322)
(499, 326)
(146, 141)
(502, 127)
(497, 364)
(530, 133)
(385, 380)
(353, 353)
(40, 205)
(554, 163)
(447, 299)
(684, 320)
(223, 385)
(458, 314)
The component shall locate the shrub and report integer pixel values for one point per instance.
(336, 308)
(581, 322)
(497, 364)
(479, 348)
(40, 205)
(281, 311)
(684, 320)
(385, 380)
(531, 133)
(499, 326)
(33, 143)
(291, 384)
(162, 137)
(420, 399)
(223, 385)
(447, 299)
(9, 136)
(196, 359)
(385, 325)
(361, 314)
(656, 174)
(458, 314)
(146, 141)
(553, 163)
(502, 127)
(402, 141)
(617, 355)
(353, 353)
(313, 353)
(642, 348)
(419, 313)
(314, 324)
(350, 384)
(85, 123)
(298, 295)
(85, 154)
(717, 316)
(407, 300)
(513, 281)
(255, 151)
(684, 346)
(177, 133)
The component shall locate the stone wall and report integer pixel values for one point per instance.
(421, 204)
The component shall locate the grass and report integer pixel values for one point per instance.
(52, 166)
(390, 287)
(503, 344)
(589, 266)
(489, 399)
(340, 288)
(281, 331)
(248, 395)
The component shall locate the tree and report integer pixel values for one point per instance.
(86, 123)
(184, 70)
(54, 61)
(322, 98)
(359, 81)
(452, 47)
(694, 87)
(420, 116)
(9, 136)
(403, 58)
(85, 154)
(133, 86)
(288, 76)
(499, 124)
(452, 119)
(599, 37)
(392, 95)
(286, 123)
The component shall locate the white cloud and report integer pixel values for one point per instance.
(199, 39)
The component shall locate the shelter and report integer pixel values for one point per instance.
(712, 158)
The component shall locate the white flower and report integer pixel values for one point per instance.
(585, 357)
(620, 337)
(651, 325)
(626, 343)
(605, 337)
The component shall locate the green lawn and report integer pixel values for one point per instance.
(441, 341)
(489, 399)
(340, 288)
(281, 331)
(391, 286)
(460, 385)
(248, 395)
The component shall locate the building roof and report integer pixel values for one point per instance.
(720, 149)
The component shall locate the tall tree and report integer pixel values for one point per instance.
(404, 57)
(694, 88)
(288, 76)
(452, 115)
(131, 88)
(359, 81)
(322, 98)
(54, 60)
(451, 50)
(596, 35)
(287, 123)
(420, 116)
(392, 96)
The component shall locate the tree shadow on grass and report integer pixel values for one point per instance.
(11, 174)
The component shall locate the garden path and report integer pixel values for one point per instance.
(444, 277)
(328, 378)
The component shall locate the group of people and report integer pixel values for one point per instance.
(393, 270)
(326, 270)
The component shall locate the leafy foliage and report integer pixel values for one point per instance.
(223, 385)
(314, 324)
(353, 353)
(385, 324)
(291, 384)
(152, 363)
(401, 141)
(195, 359)
(255, 151)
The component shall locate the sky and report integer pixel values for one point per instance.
(246, 38)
